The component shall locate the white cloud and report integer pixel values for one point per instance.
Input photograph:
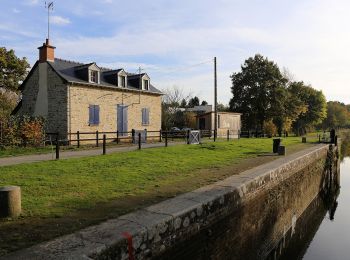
(59, 20)
(308, 37)
(16, 11)
(31, 2)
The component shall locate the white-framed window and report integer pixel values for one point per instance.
(122, 81)
(146, 84)
(94, 76)
(145, 116)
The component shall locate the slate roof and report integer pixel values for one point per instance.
(68, 71)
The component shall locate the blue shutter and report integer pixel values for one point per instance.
(125, 118)
(147, 115)
(97, 115)
(91, 114)
(143, 116)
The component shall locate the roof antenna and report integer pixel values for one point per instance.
(49, 7)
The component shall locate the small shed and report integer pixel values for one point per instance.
(226, 121)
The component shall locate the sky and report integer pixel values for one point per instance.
(175, 41)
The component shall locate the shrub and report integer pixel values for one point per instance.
(17, 131)
(270, 128)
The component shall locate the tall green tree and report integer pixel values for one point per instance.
(337, 115)
(316, 105)
(193, 102)
(13, 71)
(258, 91)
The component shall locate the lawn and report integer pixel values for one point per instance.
(16, 151)
(54, 188)
(59, 197)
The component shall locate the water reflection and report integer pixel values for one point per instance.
(332, 239)
(297, 240)
(323, 229)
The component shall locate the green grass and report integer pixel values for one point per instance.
(16, 151)
(55, 188)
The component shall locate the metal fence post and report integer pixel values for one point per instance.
(78, 139)
(160, 135)
(188, 136)
(140, 141)
(104, 145)
(166, 139)
(96, 138)
(214, 135)
(57, 148)
(228, 135)
(117, 137)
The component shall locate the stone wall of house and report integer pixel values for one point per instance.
(57, 118)
(29, 94)
(80, 97)
(46, 98)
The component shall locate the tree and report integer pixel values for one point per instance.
(13, 70)
(292, 108)
(204, 103)
(337, 115)
(8, 101)
(222, 108)
(171, 109)
(258, 91)
(316, 105)
(193, 102)
(183, 103)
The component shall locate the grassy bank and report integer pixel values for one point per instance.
(53, 188)
(61, 196)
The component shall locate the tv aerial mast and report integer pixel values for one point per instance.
(49, 7)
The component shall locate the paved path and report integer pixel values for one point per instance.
(74, 154)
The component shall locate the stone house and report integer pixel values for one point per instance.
(73, 97)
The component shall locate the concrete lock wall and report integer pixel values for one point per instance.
(244, 215)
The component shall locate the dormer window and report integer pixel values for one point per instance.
(146, 84)
(94, 76)
(122, 81)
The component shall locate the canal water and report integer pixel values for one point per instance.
(331, 239)
(323, 229)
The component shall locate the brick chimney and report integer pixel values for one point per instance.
(46, 52)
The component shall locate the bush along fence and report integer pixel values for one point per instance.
(22, 131)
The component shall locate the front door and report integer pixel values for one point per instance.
(122, 119)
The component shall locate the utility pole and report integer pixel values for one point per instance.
(215, 99)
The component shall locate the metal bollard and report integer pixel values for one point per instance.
(78, 139)
(139, 141)
(57, 149)
(104, 145)
(96, 138)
